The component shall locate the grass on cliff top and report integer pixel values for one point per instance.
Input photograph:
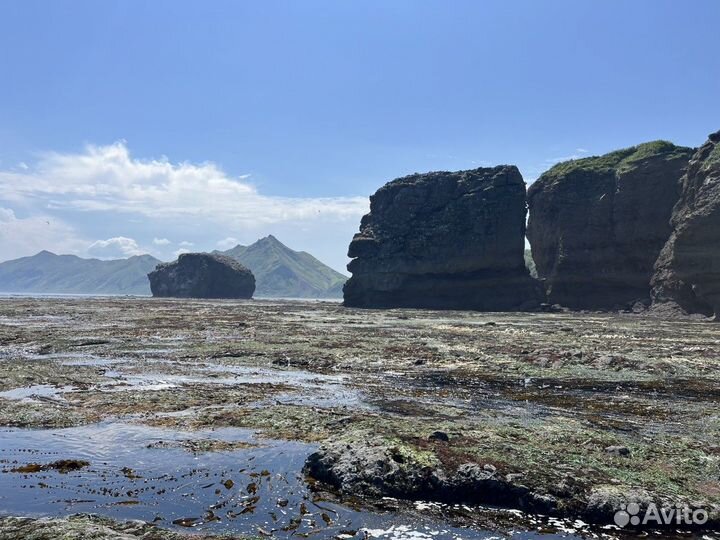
(619, 159)
(714, 156)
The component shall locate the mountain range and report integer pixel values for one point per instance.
(279, 272)
(69, 274)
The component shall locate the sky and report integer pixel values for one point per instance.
(131, 127)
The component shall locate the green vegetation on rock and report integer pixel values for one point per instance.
(619, 159)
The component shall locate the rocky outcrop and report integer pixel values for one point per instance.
(377, 470)
(597, 224)
(444, 240)
(687, 272)
(202, 275)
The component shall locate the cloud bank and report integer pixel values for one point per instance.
(103, 202)
(107, 178)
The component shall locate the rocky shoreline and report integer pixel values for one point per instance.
(567, 415)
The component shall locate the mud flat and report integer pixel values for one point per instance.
(304, 419)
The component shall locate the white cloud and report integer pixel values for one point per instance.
(180, 251)
(113, 248)
(227, 243)
(105, 192)
(21, 237)
(185, 243)
(107, 178)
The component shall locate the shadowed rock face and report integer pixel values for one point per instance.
(597, 224)
(444, 240)
(688, 269)
(202, 275)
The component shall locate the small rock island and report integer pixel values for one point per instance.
(202, 275)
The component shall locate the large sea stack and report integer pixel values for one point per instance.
(688, 269)
(444, 240)
(202, 275)
(597, 224)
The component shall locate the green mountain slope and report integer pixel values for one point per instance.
(282, 272)
(50, 273)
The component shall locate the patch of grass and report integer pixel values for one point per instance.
(714, 157)
(619, 159)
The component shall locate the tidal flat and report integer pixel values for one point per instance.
(158, 418)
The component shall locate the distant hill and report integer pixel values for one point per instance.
(50, 273)
(279, 272)
(282, 272)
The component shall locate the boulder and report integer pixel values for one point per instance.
(687, 272)
(375, 470)
(597, 224)
(444, 240)
(202, 275)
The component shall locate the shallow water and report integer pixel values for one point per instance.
(309, 388)
(36, 392)
(137, 472)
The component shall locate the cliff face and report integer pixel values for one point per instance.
(202, 275)
(445, 240)
(597, 224)
(688, 269)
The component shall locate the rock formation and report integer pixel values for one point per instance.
(444, 240)
(202, 275)
(597, 224)
(688, 268)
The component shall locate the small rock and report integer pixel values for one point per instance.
(439, 436)
(623, 451)
(550, 308)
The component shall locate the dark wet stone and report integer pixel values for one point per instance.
(439, 436)
(623, 451)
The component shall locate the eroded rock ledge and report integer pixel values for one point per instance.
(444, 240)
(84, 526)
(376, 471)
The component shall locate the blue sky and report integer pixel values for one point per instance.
(129, 126)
